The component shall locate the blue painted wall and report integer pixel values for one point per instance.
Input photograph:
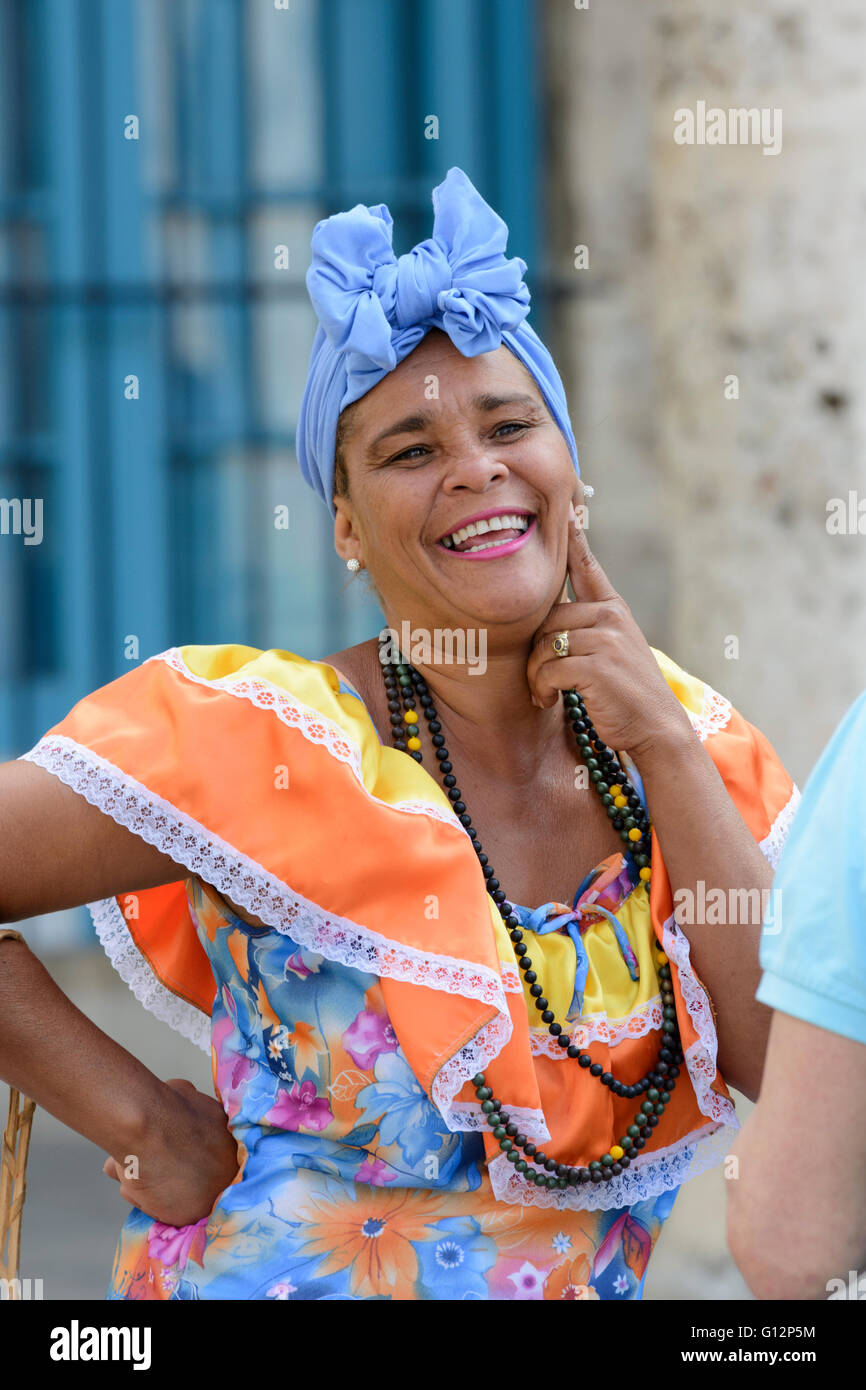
(150, 261)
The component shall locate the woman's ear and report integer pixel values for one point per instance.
(346, 542)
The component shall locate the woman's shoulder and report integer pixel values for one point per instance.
(236, 667)
(226, 661)
(358, 668)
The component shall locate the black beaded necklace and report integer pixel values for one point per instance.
(402, 684)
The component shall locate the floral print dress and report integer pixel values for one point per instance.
(344, 1035)
(351, 1186)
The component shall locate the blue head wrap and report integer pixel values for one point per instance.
(374, 308)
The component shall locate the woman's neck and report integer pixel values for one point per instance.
(487, 712)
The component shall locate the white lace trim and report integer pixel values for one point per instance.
(715, 714)
(511, 981)
(246, 882)
(532, 1122)
(422, 808)
(600, 1028)
(648, 1176)
(774, 842)
(701, 1056)
(310, 722)
(137, 972)
(472, 1058)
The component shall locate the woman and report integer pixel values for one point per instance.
(437, 1087)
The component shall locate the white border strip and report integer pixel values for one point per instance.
(248, 883)
(136, 971)
(648, 1176)
(774, 842)
(715, 713)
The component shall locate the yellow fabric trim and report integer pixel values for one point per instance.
(688, 689)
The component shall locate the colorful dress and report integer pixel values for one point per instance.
(344, 1034)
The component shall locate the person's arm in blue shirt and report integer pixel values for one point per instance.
(797, 1208)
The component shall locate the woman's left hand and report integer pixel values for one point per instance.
(609, 661)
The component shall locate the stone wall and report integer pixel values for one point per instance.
(708, 262)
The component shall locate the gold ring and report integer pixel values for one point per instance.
(560, 644)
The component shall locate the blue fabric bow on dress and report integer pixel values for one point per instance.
(575, 924)
(374, 308)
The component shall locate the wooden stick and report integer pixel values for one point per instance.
(13, 1181)
(13, 1170)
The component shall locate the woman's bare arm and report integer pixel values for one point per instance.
(170, 1142)
(706, 843)
(58, 851)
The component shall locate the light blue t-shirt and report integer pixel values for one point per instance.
(813, 949)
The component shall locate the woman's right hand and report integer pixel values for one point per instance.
(187, 1158)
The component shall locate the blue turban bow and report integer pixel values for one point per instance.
(374, 308)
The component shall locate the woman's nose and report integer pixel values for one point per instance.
(474, 467)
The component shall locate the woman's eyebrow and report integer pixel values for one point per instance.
(483, 403)
(408, 425)
(488, 402)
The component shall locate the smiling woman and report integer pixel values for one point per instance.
(439, 1084)
(459, 539)
(417, 490)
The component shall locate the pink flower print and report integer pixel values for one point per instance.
(173, 1245)
(368, 1036)
(528, 1281)
(300, 1108)
(303, 963)
(232, 1072)
(281, 1290)
(375, 1172)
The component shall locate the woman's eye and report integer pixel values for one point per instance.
(406, 452)
(412, 455)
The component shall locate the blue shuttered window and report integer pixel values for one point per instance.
(154, 355)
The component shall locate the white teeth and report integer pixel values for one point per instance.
(508, 522)
(487, 545)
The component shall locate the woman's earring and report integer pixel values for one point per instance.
(588, 491)
(353, 565)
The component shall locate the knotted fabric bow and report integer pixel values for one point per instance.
(576, 923)
(374, 308)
